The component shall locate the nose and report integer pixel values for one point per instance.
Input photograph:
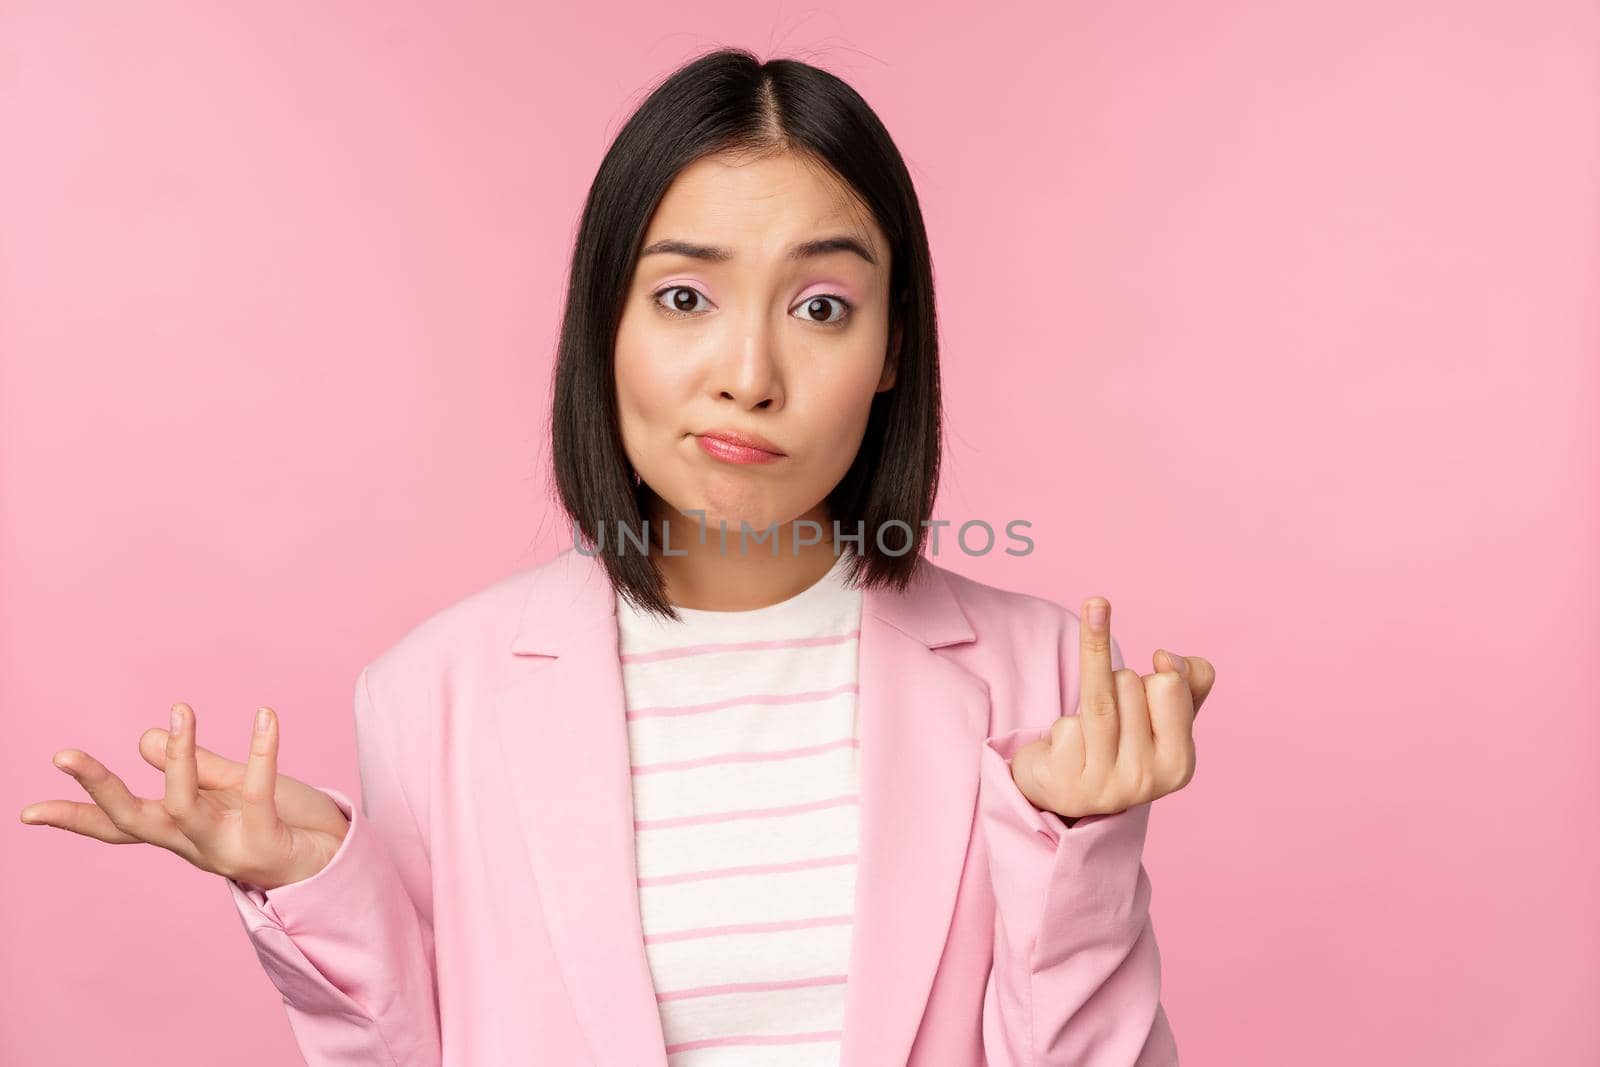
(747, 371)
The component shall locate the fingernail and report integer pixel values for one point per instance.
(1097, 613)
(177, 719)
(61, 763)
(27, 814)
(263, 720)
(1178, 662)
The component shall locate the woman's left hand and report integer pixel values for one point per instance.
(1132, 739)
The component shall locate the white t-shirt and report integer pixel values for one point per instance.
(744, 737)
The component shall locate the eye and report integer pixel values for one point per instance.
(818, 305)
(681, 304)
(686, 299)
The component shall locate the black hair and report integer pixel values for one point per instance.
(722, 101)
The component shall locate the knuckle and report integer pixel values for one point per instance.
(134, 822)
(1144, 781)
(1166, 779)
(123, 820)
(1041, 775)
(1110, 799)
(1179, 772)
(1102, 705)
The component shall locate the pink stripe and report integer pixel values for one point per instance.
(757, 1039)
(743, 698)
(736, 646)
(751, 987)
(745, 813)
(754, 868)
(698, 932)
(747, 757)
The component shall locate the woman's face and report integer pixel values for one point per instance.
(731, 324)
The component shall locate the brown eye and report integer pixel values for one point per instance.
(816, 310)
(683, 300)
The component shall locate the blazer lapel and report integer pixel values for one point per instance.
(566, 747)
(923, 722)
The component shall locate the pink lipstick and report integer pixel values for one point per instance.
(736, 447)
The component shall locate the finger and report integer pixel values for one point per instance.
(1196, 671)
(259, 811)
(1172, 719)
(1202, 676)
(182, 799)
(215, 770)
(1135, 743)
(139, 818)
(79, 817)
(1097, 696)
(1066, 752)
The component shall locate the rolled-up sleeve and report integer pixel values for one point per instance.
(350, 949)
(1076, 977)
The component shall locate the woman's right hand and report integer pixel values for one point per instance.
(240, 820)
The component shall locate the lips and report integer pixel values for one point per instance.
(740, 439)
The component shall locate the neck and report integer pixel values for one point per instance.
(705, 577)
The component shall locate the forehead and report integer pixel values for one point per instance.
(759, 204)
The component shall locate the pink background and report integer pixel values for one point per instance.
(1277, 320)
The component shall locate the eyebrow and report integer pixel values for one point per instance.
(822, 246)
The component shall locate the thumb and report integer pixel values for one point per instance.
(1195, 670)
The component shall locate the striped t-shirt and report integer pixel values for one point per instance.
(743, 735)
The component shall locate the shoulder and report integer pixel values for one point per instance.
(1025, 649)
(1016, 622)
(996, 613)
(468, 635)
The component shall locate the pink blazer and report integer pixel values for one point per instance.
(483, 909)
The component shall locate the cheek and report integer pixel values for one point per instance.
(649, 386)
(843, 402)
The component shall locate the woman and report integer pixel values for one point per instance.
(741, 777)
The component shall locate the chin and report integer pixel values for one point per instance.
(730, 505)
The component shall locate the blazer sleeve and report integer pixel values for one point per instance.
(350, 949)
(1076, 977)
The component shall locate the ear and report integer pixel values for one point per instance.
(891, 365)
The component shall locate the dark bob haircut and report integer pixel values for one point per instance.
(730, 101)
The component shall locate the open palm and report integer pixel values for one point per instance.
(241, 820)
